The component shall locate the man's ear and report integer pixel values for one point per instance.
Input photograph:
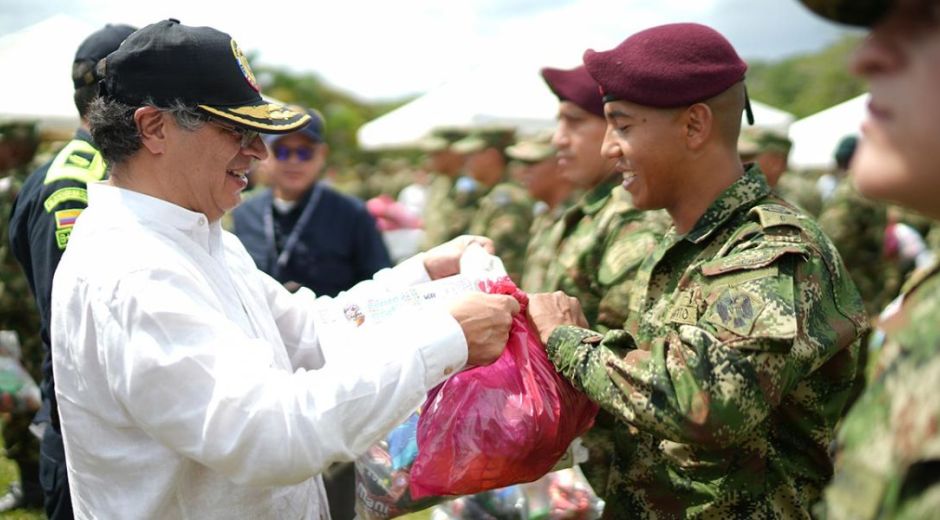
(699, 125)
(151, 124)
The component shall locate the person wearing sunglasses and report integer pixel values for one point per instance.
(299, 230)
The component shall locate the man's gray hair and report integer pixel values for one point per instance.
(116, 134)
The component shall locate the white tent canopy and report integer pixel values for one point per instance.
(500, 94)
(477, 98)
(38, 59)
(815, 137)
(770, 118)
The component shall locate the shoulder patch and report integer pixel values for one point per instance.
(750, 259)
(772, 215)
(63, 195)
(78, 161)
(66, 218)
(736, 310)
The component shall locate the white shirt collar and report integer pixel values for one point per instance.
(155, 212)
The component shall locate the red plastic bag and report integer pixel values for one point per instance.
(509, 422)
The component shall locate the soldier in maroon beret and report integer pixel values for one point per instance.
(583, 262)
(741, 346)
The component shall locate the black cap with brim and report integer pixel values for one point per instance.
(198, 66)
(860, 13)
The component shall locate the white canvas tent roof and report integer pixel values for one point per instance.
(770, 118)
(39, 60)
(815, 137)
(519, 98)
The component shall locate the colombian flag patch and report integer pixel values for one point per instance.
(66, 218)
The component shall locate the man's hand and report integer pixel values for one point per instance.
(444, 260)
(485, 320)
(547, 311)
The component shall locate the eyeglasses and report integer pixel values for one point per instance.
(303, 153)
(245, 136)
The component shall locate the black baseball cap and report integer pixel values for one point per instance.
(199, 66)
(860, 13)
(96, 46)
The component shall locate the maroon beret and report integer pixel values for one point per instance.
(576, 86)
(667, 66)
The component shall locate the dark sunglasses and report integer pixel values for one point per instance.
(303, 153)
(246, 137)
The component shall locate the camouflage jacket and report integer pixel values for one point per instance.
(888, 447)
(740, 353)
(17, 307)
(856, 226)
(542, 247)
(450, 215)
(505, 216)
(799, 191)
(601, 242)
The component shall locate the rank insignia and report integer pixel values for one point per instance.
(736, 310)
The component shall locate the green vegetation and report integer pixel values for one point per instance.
(806, 84)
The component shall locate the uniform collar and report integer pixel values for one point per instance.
(594, 200)
(748, 188)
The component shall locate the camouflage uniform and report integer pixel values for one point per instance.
(599, 243)
(888, 447)
(505, 216)
(18, 313)
(437, 210)
(542, 247)
(856, 226)
(452, 217)
(799, 191)
(740, 353)
(602, 241)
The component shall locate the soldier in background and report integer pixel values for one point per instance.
(888, 448)
(536, 167)
(492, 204)
(445, 166)
(771, 151)
(856, 226)
(18, 143)
(741, 346)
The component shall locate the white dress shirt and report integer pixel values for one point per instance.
(192, 385)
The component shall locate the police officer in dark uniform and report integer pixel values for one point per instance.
(41, 221)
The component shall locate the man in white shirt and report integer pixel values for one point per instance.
(190, 384)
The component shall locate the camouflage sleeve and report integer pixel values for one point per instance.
(507, 225)
(704, 383)
(634, 237)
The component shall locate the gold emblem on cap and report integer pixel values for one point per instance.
(269, 111)
(243, 65)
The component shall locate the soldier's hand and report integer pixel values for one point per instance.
(547, 311)
(485, 320)
(444, 260)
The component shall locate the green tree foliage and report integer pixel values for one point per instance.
(344, 113)
(806, 84)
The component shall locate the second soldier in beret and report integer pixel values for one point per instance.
(741, 349)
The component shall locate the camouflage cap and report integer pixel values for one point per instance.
(484, 138)
(753, 141)
(531, 150)
(862, 13)
(440, 139)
